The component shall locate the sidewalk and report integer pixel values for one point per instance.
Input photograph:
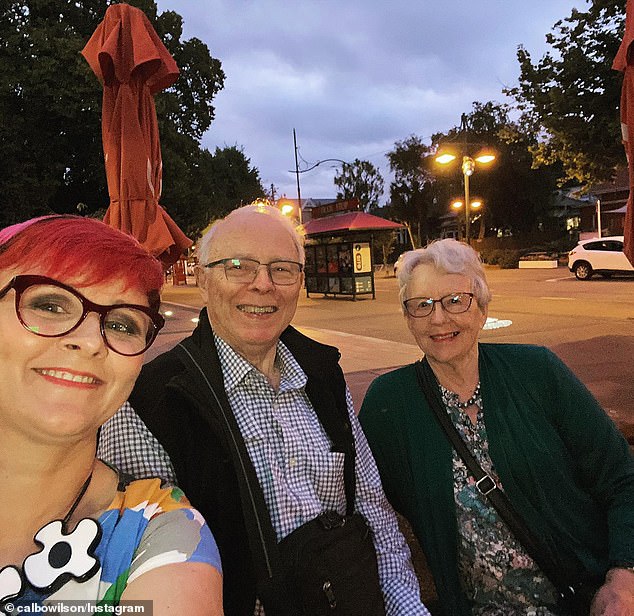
(364, 358)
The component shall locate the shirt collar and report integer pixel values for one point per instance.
(235, 368)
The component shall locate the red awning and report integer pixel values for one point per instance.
(353, 221)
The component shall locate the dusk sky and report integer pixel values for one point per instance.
(354, 76)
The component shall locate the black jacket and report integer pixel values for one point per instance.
(175, 402)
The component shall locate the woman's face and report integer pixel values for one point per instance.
(56, 389)
(444, 338)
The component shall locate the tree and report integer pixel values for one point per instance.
(516, 196)
(360, 180)
(383, 243)
(50, 109)
(412, 192)
(570, 97)
(210, 186)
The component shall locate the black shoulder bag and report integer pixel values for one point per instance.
(575, 597)
(327, 566)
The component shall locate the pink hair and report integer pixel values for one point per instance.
(81, 251)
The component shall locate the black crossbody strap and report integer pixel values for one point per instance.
(487, 486)
(271, 584)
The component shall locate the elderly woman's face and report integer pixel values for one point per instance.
(65, 387)
(444, 337)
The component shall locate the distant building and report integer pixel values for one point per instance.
(307, 205)
(613, 196)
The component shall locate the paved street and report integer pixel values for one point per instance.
(590, 325)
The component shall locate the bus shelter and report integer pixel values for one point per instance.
(339, 255)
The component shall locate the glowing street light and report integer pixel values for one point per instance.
(458, 204)
(484, 157)
(468, 167)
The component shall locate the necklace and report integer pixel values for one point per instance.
(77, 500)
(63, 556)
(471, 401)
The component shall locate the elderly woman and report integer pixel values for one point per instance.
(79, 305)
(533, 428)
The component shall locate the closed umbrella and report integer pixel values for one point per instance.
(624, 62)
(133, 65)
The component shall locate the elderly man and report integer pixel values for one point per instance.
(275, 385)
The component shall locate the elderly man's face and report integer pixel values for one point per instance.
(250, 316)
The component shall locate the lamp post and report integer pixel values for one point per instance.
(474, 204)
(468, 167)
(297, 171)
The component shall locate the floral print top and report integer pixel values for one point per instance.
(145, 527)
(497, 574)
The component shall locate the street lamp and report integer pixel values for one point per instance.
(457, 204)
(468, 167)
(287, 209)
(297, 172)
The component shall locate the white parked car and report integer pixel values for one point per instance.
(603, 256)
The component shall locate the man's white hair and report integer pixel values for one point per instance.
(252, 210)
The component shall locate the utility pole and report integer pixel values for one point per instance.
(299, 192)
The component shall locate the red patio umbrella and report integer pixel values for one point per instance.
(624, 62)
(130, 60)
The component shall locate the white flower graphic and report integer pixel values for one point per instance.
(63, 555)
(10, 583)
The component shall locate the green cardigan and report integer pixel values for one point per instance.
(562, 462)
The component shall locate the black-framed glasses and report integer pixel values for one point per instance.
(454, 303)
(241, 271)
(49, 308)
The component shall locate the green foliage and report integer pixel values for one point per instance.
(50, 111)
(208, 186)
(383, 242)
(570, 97)
(360, 180)
(509, 259)
(412, 192)
(506, 258)
(516, 196)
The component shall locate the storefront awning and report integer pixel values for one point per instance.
(352, 221)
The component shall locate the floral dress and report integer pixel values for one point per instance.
(145, 527)
(497, 574)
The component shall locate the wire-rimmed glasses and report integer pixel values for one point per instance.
(49, 308)
(244, 271)
(454, 303)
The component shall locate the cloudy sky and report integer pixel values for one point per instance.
(354, 76)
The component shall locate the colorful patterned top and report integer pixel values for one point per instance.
(145, 527)
(498, 575)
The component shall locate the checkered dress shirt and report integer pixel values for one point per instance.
(290, 451)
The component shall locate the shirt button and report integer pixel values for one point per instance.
(292, 462)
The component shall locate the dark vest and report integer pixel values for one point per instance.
(174, 402)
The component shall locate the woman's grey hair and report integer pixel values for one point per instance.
(448, 257)
(252, 210)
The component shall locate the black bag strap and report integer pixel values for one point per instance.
(487, 486)
(270, 585)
